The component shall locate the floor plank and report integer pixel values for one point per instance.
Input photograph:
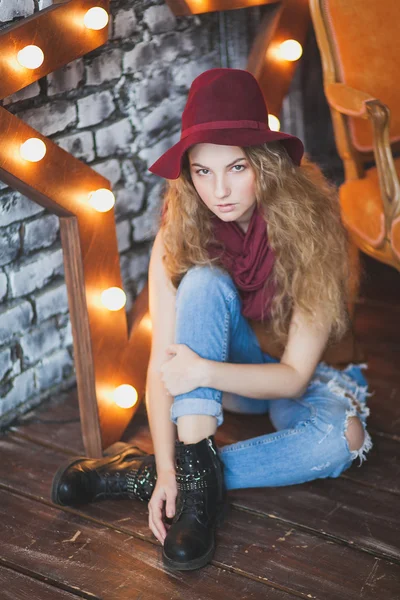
(16, 586)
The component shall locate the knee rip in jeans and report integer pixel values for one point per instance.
(357, 437)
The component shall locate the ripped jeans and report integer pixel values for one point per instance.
(309, 441)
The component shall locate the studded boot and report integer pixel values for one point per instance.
(128, 474)
(200, 505)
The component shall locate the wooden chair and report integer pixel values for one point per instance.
(360, 49)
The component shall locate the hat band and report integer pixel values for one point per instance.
(242, 124)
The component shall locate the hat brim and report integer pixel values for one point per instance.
(169, 163)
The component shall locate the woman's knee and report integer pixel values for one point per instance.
(355, 433)
(205, 280)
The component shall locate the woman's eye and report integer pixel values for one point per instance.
(241, 167)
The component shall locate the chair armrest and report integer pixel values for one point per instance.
(379, 114)
(348, 100)
(355, 103)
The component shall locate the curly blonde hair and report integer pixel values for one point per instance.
(313, 268)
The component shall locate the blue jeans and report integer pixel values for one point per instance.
(309, 441)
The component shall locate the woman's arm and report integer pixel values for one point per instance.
(287, 379)
(158, 400)
(187, 371)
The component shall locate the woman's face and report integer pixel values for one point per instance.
(224, 180)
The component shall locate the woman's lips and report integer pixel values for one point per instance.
(226, 207)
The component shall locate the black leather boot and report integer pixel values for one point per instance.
(128, 474)
(200, 505)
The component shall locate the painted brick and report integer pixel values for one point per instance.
(3, 286)
(105, 67)
(114, 139)
(134, 265)
(145, 226)
(16, 207)
(164, 116)
(53, 369)
(143, 54)
(41, 233)
(50, 118)
(67, 78)
(14, 319)
(110, 169)
(51, 301)
(129, 199)
(10, 244)
(80, 145)
(30, 91)
(153, 152)
(95, 109)
(6, 363)
(159, 18)
(36, 272)
(125, 23)
(124, 236)
(23, 388)
(38, 342)
(16, 8)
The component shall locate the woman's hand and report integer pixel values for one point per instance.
(165, 491)
(184, 371)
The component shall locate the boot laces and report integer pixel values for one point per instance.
(193, 501)
(114, 484)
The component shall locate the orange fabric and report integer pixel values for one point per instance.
(396, 236)
(362, 208)
(367, 44)
(347, 100)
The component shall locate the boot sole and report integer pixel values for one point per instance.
(77, 459)
(197, 563)
(190, 565)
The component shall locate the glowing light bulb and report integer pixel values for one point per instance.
(290, 50)
(274, 123)
(125, 396)
(33, 150)
(30, 57)
(113, 298)
(102, 200)
(96, 18)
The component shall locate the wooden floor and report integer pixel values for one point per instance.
(330, 539)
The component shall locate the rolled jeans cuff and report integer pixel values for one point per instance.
(197, 406)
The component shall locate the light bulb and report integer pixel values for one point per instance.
(125, 396)
(96, 18)
(274, 123)
(113, 298)
(30, 57)
(102, 200)
(33, 150)
(290, 50)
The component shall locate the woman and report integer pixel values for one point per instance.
(247, 234)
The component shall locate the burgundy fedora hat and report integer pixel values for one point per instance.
(227, 107)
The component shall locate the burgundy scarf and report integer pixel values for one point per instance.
(249, 260)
